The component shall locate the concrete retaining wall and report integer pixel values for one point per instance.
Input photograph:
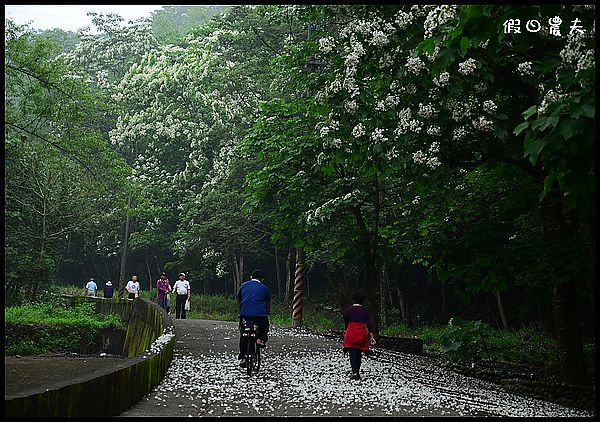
(149, 343)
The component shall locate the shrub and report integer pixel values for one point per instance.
(463, 340)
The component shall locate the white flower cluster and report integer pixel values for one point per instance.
(380, 105)
(440, 15)
(550, 97)
(483, 124)
(392, 100)
(221, 269)
(405, 123)
(379, 39)
(434, 131)
(442, 79)
(459, 133)
(334, 87)
(489, 106)
(323, 212)
(351, 106)
(431, 56)
(358, 130)
(336, 143)
(467, 67)
(410, 89)
(426, 111)
(378, 135)
(386, 60)
(415, 65)
(324, 131)
(428, 159)
(575, 54)
(421, 10)
(459, 110)
(326, 44)
(350, 85)
(403, 19)
(524, 69)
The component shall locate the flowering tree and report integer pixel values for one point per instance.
(59, 173)
(422, 104)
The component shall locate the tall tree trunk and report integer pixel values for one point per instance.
(41, 274)
(384, 289)
(498, 295)
(402, 304)
(241, 265)
(236, 275)
(149, 274)
(564, 302)
(124, 251)
(370, 268)
(278, 275)
(288, 276)
(443, 315)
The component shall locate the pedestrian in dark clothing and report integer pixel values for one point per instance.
(162, 290)
(108, 290)
(359, 332)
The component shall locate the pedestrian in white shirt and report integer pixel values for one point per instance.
(133, 287)
(91, 287)
(182, 289)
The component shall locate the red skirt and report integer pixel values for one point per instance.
(356, 336)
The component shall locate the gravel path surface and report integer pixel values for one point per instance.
(307, 374)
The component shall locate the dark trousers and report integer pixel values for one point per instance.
(162, 302)
(355, 358)
(261, 332)
(180, 306)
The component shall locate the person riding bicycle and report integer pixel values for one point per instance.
(254, 303)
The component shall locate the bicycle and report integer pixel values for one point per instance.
(252, 349)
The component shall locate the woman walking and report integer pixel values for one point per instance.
(359, 332)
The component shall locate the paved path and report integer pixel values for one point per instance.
(306, 374)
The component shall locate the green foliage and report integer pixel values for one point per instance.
(525, 346)
(462, 340)
(52, 326)
(58, 168)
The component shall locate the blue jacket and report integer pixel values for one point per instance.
(253, 297)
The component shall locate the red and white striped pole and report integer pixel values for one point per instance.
(298, 302)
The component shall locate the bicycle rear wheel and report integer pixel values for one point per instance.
(257, 360)
(250, 355)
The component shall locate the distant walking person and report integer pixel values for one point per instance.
(182, 289)
(108, 290)
(91, 287)
(359, 332)
(162, 290)
(133, 287)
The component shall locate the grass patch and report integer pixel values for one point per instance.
(53, 325)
